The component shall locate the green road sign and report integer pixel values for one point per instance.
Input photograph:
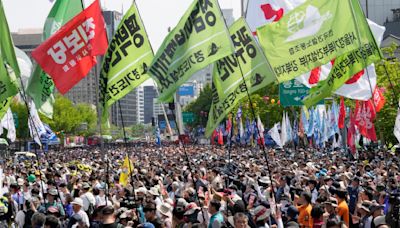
(188, 117)
(292, 92)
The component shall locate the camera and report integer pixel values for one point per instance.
(129, 203)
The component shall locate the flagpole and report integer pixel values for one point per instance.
(230, 146)
(172, 108)
(83, 5)
(24, 98)
(253, 112)
(126, 148)
(256, 126)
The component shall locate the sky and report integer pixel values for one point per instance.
(157, 15)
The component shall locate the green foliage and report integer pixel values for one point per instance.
(139, 130)
(73, 119)
(22, 113)
(201, 104)
(387, 116)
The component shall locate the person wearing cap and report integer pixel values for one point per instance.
(52, 197)
(305, 219)
(343, 209)
(376, 210)
(77, 206)
(260, 216)
(87, 197)
(165, 211)
(353, 191)
(365, 218)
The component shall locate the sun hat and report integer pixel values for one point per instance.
(78, 201)
(261, 213)
(165, 209)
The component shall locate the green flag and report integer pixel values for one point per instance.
(6, 43)
(199, 39)
(350, 63)
(126, 63)
(9, 69)
(41, 86)
(228, 85)
(309, 36)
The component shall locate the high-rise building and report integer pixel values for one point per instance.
(379, 11)
(149, 94)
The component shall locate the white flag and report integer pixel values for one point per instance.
(260, 127)
(396, 130)
(37, 129)
(261, 12)
(8, 123)
(360, 85)
(284, 130)
(274, 133)
(241, 129)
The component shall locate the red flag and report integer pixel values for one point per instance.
(351, 133)
(364, 118)
(69, 54)
(220, 137)
(213, 136)
(229, 125)
(342, 113)
(379, 99)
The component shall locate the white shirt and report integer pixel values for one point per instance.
(20, 219)
(87, 199)
(85, 218)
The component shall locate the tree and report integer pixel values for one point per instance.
(88, 118)
(22, 114)
(388, 73)
(201, 104)
(70, 119)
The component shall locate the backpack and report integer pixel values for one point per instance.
(90, 209)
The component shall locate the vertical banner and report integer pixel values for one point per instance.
(199, 39)
(228, 85)
(128, 58)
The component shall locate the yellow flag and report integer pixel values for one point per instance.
(126, 170)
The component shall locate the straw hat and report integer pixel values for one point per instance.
(165, 209)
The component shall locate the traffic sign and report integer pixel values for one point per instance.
(292, 92)
(188, 117)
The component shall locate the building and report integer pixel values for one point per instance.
(27, 40)
(379, 11)
(150, 94)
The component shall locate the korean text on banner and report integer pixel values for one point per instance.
(308, 36)
(229, 87)
(127, 60)
(199, 39)
(69, 54)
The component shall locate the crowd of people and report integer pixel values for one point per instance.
(302, 188)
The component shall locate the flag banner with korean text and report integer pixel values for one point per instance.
(69, 54)
(9, 68)
(228, 85)
(127, 60)
(40, 86)
(199, 39)
(309, 36)
(350, 64)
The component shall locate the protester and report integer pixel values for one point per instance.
(313, 191)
